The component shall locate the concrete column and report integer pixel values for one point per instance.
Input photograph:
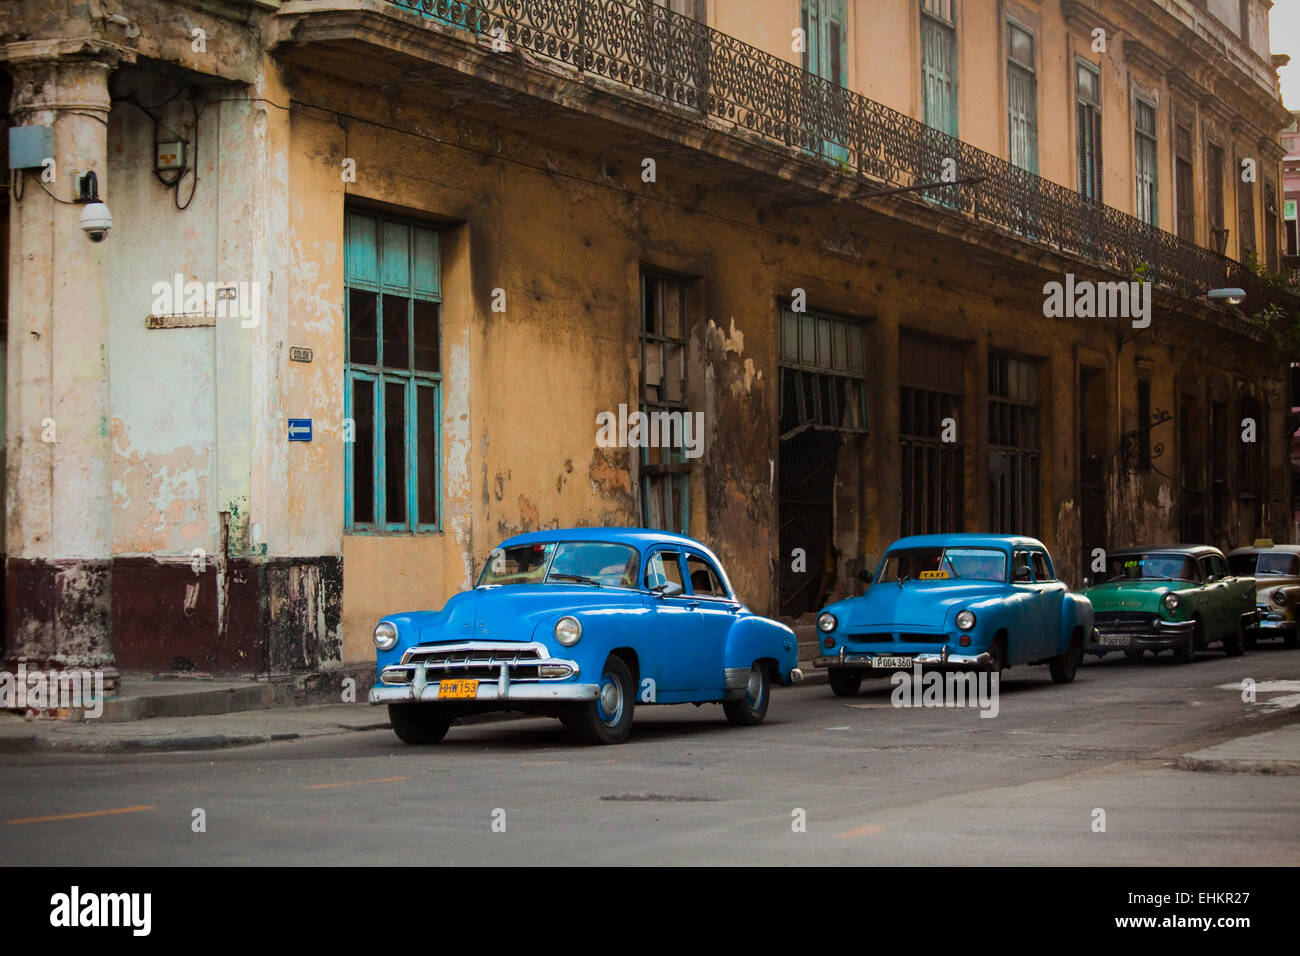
(58, 495)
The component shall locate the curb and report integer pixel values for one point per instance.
(1282, 768)
(39, 744)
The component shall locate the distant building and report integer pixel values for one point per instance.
(1291, 190)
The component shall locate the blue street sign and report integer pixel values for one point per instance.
(300, 429)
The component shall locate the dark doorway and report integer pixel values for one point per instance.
(1092, 464)
(808, 462)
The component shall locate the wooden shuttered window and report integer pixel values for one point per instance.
(1185, 208)
(1088, 131)
(939, 65)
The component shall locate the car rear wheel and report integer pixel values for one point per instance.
(1235, 645)
(1063, 667)
(844, 683)
(751, 707)
(419, 723)
(608, 718)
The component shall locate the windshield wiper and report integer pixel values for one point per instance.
(952, 566)
(581, 579)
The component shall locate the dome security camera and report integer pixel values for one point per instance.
(96, 220)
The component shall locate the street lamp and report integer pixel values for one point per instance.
(1227, 296)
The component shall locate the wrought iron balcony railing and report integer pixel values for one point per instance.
(694, 67)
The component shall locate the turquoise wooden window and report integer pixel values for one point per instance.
(825, 56)
(939, 65)
(1022, 99)
(392, 376)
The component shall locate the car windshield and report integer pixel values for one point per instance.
(1151, 566)
(1277, 563)
(597, 563)
(943, 564)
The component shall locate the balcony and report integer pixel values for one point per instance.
(867, 150)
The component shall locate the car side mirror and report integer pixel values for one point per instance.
(1087, 582)
(667, 589)
(1022, 573)
(1211, 578)
(867, 575)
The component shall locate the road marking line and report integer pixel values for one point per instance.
(353, 783)
(867, 829)
(839, 728)
(78, 816)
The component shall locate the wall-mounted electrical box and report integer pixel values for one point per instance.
(169, 156)
(30, 146)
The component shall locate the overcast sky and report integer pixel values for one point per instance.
(1284, 33)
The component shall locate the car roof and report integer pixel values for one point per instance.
(640, 538)
(1274, 549)
(966, 539)
(1199, 550)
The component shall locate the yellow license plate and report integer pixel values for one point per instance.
(457, 689)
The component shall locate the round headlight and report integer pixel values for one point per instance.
(568, 630)
(1170, 601)
(1279, 598)
(385, 635)
(826, 622)
(965, 620)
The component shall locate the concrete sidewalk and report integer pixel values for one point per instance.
(1274, 751)
(197, 732)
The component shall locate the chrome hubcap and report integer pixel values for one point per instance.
(611, 701)
(754, 690)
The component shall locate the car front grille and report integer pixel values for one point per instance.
(476, 661)
(1124, 622)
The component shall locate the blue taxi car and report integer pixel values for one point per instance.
(968, 601)
(583, 624)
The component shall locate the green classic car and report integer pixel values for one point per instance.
(1276, 570)
(1179, 598)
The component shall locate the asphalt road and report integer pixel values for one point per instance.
(876, 784)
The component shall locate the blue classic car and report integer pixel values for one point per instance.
(968, 601)
(583, 624)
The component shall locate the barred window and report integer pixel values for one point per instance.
(665, 471)
(1014, 445)
(823, 374)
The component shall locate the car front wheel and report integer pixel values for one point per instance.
(1185, 652)
(608, 718)
(751, 707)
(844, 683)
(419, 723)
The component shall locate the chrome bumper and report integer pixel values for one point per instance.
(395, 688)
(944, 658)
(487, 691)
(1163, 634)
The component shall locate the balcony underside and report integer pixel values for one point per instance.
(534, 89)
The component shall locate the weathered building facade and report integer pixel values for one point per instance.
(378, 267)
